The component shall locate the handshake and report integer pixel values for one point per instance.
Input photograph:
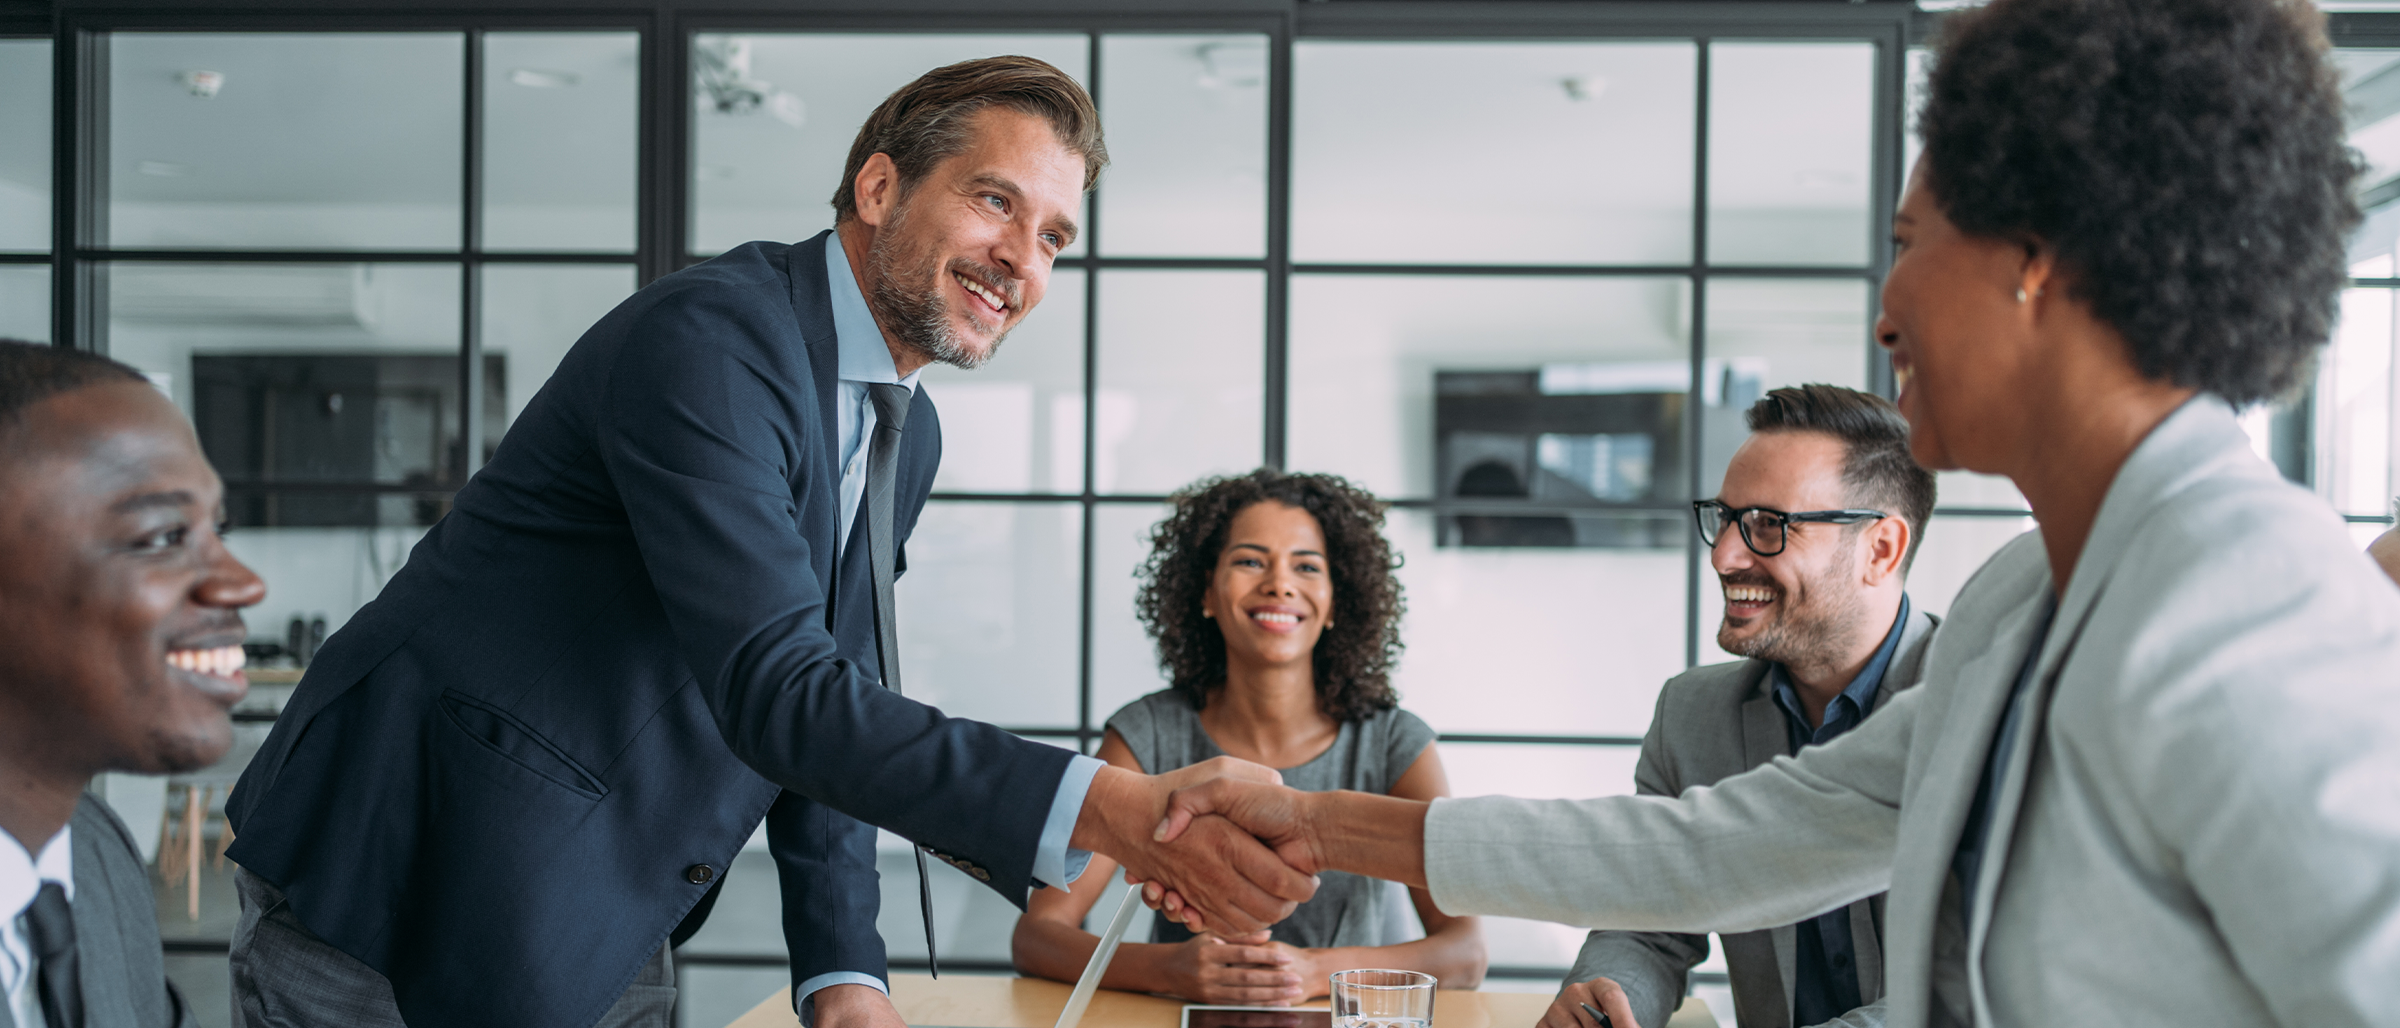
(1222, 846)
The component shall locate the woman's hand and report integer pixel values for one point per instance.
(1247, 969)
(1313, 976)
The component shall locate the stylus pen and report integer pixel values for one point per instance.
(1596, 1015)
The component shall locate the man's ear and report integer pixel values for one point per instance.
(876, 190)
(1884, 549)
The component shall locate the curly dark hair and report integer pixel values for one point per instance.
(1353, 659)
(2186, 159)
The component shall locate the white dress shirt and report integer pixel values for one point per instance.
(866, 358)
(21, 876)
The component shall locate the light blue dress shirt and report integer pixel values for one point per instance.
(866, 358)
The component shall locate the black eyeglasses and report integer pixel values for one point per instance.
(1765, 530)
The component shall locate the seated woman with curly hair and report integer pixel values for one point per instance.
(1277, 617)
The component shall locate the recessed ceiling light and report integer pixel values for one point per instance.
(540, 78)
(163, 169)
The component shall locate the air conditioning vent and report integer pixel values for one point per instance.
(263, 294)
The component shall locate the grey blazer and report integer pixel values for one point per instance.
(2199, 826)
(116, 931)
(1716, 722)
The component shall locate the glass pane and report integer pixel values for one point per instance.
(2355, 431)
(2371, 82)
(289, 140)
(773, 116)
(1920, 73)
(532, 313)
(1954, 549)
(1365, 351)
(987, 611)
(1187, 144)
(1182, 365)
(25, 163)
(1544, 642)
(1394, 144)
(1124, 658)
(25, 302)
(560, 113)
(1968, 489)
(1767, 333)
(1789, 152)
(1015, 425)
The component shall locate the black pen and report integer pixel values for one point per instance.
(1596, 1015)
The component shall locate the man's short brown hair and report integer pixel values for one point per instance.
(928, 121)
(1877, 470)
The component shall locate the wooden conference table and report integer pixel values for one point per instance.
(994, 1002)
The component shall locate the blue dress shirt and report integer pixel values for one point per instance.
(866, 358)
(1825, 961)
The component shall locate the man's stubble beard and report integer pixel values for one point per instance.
(1802, 637)
(919, 319)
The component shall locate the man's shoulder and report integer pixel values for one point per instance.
(1711, 694)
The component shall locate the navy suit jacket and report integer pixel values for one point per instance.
(508, 779)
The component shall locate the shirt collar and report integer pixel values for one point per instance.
(864, 355)
(1861, 690)
(22, 873)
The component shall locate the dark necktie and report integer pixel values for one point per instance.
(883, 453)
(50, 928)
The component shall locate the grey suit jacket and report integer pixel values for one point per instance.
(116, 931)
(1715, 722)
(2200, 825)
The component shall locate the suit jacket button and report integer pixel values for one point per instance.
(699, 874)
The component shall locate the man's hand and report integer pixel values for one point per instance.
(1233, 884)
(1247, 970)
(855, 1006)
(1567, 1010)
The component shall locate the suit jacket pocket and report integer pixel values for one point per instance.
(512, 740)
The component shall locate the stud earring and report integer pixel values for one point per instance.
(2020, 296)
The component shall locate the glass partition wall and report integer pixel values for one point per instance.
(1519, 279)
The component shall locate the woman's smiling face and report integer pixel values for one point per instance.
(1271, 593)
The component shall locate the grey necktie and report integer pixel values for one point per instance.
(50, 929)
(883, 453)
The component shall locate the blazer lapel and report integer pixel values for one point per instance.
(1764, 735)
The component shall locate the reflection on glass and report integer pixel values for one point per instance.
(987, 611)
(533, 312)
(25, 302)
(2355, 430)
(1395, 144)
(1187, 143)
(1769, 333)
(1124, 659)
(336, 378)
(773, 115)
(25, 116)
(1789, 152)
(1365, 351)
(1015, 425)
(560, 111)
(285, 140)
(1505, 640)
(1182, 365)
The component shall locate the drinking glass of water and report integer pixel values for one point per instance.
(1373, 998)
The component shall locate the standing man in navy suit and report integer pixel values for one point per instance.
(661, 614)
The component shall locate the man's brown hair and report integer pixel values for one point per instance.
(1876, 467)
(928, 121)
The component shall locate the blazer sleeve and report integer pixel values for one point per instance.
(831, 891)
(1782, 841)
(702, 437)
(1653, 968)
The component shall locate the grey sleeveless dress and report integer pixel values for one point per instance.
(1164, 733)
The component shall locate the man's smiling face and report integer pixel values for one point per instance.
(121, 603)
(963, 254)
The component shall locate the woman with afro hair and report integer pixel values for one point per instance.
(1277, 617)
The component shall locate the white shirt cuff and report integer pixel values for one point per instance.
(1054, 864)
(804, 998)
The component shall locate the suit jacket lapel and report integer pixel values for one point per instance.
(813, 309)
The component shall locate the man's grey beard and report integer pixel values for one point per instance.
(919, 319)
(1805, 638)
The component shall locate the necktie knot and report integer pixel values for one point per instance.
(50, 924)
(891, 403)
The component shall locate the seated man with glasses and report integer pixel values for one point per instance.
(1811, 537)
